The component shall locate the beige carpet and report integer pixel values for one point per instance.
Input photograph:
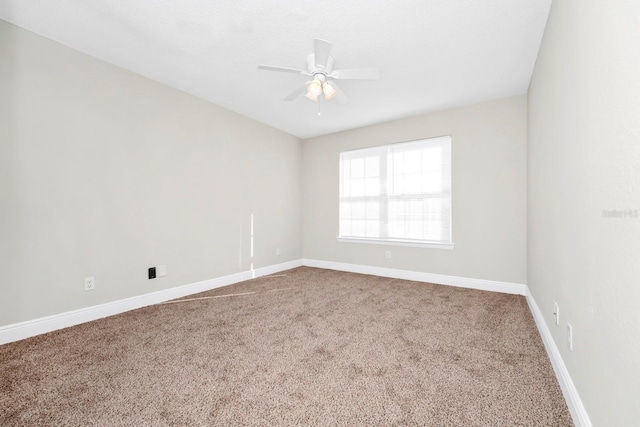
(307, 346)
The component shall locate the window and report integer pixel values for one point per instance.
(397, 194)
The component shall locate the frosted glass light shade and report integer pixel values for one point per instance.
(329, 91)
(315, 88)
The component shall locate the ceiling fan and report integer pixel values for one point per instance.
(323, 76)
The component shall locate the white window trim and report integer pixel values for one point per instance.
(400, 242)
(433, 245)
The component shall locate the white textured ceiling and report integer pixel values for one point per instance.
(434, 54)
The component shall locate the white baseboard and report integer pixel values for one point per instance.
(577, 409)
(440, 279)
(43, 325)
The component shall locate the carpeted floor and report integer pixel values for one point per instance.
(307, 346)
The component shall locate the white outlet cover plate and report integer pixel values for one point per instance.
(89, 283)
(162, 270)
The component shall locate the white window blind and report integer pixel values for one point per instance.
(397, 193)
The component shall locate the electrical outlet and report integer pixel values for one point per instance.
(556, 313)
(278, 251)
(162, 270)
(387, 254)
(89, 283)
(570, 336)
(152, 273)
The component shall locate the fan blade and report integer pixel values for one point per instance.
(340, 95)
(357, 74)
(321, 50)
(293, 95)
(285, 69)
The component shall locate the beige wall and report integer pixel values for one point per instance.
(489, 193)
(105, 173)
(584, 158)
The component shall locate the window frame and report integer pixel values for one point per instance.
(390, 240)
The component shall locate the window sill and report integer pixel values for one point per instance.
(433, 245)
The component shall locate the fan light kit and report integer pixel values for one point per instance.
(323, 76)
